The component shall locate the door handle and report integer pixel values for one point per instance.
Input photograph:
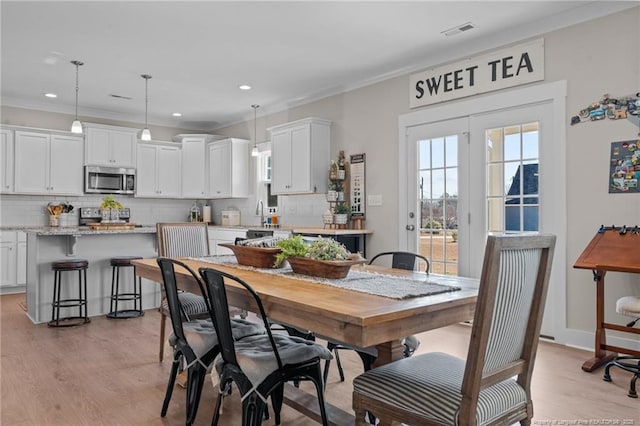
(410, 228)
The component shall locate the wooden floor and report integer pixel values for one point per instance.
(107, 373)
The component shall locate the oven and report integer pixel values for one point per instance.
(109, 180)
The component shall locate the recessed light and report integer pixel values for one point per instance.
(51, 95)
(244, 87)
(177, 114)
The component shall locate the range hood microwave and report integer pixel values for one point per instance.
(109, 180)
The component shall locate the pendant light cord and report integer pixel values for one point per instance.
(77, 64)
(255, 132)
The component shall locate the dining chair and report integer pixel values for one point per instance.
(399, 260)
(629, 306)
(493, 385)
(259, 365)
(194, 341)
(175, 240)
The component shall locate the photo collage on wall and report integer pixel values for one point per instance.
(624, 171)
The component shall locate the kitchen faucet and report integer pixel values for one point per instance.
(260, 211)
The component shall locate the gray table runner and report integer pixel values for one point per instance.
(363, 281)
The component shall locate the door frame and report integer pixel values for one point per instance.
(555, 94)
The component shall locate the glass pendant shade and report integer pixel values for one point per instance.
(255, 152)
(76, 126)
(145, 135)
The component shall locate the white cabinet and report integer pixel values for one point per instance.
(223, 235)
(158, 170)
(110, 146)
(228, 168)
(13, 259)
(6, 161)
(194, 163)
(47, 163)
(300, 156)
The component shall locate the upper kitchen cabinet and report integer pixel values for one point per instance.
(299, 156)
(158, 170)
(6, 161)
(228, 168)
(194, 163)
(48, 163)
(110, 145)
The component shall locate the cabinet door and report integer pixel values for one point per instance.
(301, 159)
(168, 171)
(220, 169)
(7, 263)
(193, 167)
(280, 162)
(31, 162)
(146, 171)
(98, 147)
(65, 167)
(6, 161)
(123, 148)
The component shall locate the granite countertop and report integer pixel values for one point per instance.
(84, 230)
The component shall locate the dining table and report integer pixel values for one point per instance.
(353, 317)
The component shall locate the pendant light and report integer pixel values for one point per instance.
(76, 126)
(254, 151)
(146, 134)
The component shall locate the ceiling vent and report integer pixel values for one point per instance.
(458, 29)
(126, 98)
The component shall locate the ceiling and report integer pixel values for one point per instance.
(198, 53)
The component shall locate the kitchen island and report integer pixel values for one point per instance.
(49, 244)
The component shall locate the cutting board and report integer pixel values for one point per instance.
(111, 226)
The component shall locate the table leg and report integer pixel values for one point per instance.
(389, 352)
(601, 356)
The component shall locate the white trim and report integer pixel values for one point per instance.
(554, 92)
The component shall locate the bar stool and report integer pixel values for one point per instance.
(116, 296)
(69, 265)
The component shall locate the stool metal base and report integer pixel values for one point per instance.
(125, 314)
(69, 322)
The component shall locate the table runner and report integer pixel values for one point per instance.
(391, 286)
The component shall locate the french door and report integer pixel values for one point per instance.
(484, 173)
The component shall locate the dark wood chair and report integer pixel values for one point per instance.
(439, 389)
(402, 259)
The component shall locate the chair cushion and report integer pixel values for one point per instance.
(256, 358)
(193, 304)
(429, 386)
(629, 306)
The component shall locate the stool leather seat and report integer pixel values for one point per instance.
(123, 260)
(69, 265)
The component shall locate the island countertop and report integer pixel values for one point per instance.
(85, 230)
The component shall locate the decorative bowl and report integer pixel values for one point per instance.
(323, 268)
(259, 257)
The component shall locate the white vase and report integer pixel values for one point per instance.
(340, 218)
(332, 195)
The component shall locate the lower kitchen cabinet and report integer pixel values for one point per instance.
(158, 170)
(223, 235)
(13, 261)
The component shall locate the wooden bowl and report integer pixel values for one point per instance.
(322, 268)
(259, 257)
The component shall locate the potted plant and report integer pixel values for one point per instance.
(110, 208)
(341, 214)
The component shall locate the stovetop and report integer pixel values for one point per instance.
(93, 214)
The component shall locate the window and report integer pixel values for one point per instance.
(264, 181)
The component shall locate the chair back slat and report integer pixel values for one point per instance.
(508, 316)
(183, 239)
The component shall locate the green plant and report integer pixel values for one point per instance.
(109, 202)
(292, 246)
(327, 249)
(342, 208)
(432, 224)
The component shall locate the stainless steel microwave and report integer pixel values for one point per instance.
(109, 180)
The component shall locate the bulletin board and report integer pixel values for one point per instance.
(357, 186)
(624, 167)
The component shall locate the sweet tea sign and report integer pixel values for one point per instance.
(512, 66)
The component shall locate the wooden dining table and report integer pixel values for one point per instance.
(351, 317)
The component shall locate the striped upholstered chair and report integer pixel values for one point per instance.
(176, 240)
(439, 389)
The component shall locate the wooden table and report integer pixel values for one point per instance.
(355, 318)
(609, 250)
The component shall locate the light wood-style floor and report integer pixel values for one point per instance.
(107, 373)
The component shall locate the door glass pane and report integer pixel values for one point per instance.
(512, 178)
(438, 195)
